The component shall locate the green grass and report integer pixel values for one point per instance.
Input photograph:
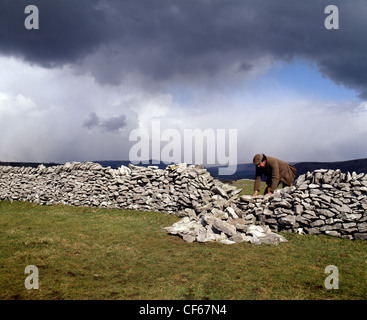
(89, 253)
(247, 186)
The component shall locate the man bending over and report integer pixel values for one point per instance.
(275, 170)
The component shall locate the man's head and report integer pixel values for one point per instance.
(259, 160)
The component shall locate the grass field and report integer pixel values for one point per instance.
(247, 186)
(90, 253)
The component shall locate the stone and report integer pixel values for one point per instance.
(208, 218)
(240, 225)
(268, 212)
(349, 225)
(220, 191)
(177, 229)
(360, 236)
(288, 220)
(312, 230)
(250, 217)
(350, 217)
(325, 212)
(326, 198)
(254, 240)
(189, 238)
(303, 187)
(210, 235)
(326, 228)
(224, 227)
(332, 233)
(201, 235)
(240, 237)
(246, 198)
(227, 241)
(232, 213)
(220, 237)
(255, 233)
(298, 209)
(345, 209)
(219, 214)
(317, 223)
(272, 238)
(362, 227)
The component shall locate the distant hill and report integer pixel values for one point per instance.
(358, 165)
(247, 170)
(244, 170)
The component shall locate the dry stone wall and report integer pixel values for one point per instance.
(323, 201)
(89, 184)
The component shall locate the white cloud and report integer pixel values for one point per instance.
(11, 106)
(44, 119)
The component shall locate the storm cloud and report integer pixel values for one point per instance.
(162, 40)
(112, 124)
(74, 89)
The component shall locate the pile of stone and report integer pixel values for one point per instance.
(208, 228)
(221, 219)
(322, 201)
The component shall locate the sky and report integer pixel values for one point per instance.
(97, 70)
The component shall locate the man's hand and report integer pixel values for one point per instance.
(255, 193)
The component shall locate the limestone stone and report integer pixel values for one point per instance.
(362, 227)
(224, 227)
(317, 223)
(289, 220)
(272, 238)
(232, 213)
(332, 233)
(240, 237)
(361, 236)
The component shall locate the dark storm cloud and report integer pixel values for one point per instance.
(68, 30)
(112, 124)
(161, 39)
(92, 121)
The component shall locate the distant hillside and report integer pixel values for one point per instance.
(247, 170)
(359, 166)
(244, 170)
